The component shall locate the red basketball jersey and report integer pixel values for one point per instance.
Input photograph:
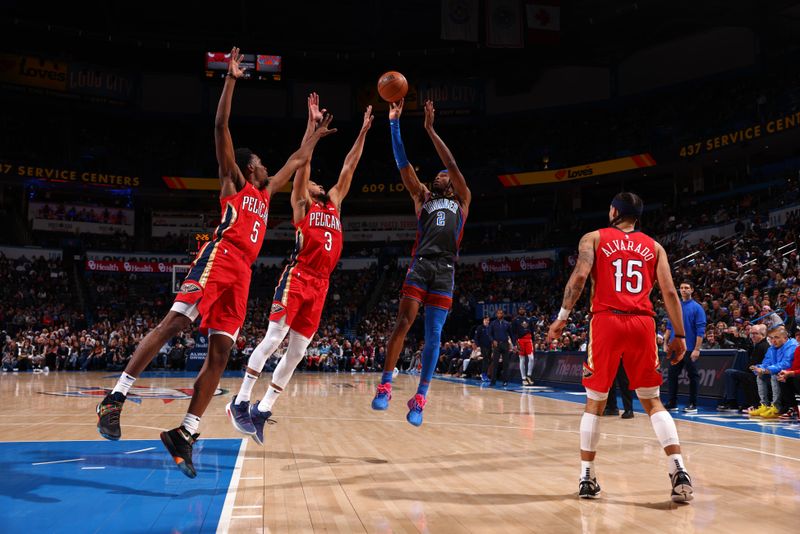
(244, 220)
(318, 241)
(623, 273)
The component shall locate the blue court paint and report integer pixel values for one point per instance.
(141, 491)
(706, 415)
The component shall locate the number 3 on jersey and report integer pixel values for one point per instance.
(632, 272)
(328, 241)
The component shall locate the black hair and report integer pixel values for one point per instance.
(629, 205)
(243, 158)
(687, 282)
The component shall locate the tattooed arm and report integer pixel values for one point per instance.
(576, 281)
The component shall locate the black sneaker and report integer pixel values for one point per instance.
(692, 408)
(671, 407)
(588, 488)
(681, 486)
(179, 443)
(108, 416)
(728, 406)
(611, 411)
(627, 414)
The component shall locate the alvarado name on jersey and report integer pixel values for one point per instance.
(617, 245)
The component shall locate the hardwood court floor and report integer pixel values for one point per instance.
(483, 461)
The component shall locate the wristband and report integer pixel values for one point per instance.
(563, 315)
(680, 337)
(397, 145)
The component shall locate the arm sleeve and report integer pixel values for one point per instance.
(397, 145)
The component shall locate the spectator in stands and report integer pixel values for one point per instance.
(778, 358)
(500, 332)
(789, 383)
(735, 379)
(694, 322)
(710, 342)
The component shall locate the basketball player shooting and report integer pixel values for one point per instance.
(441, 212)
(218, 282)
(303, 286)
(624, 263)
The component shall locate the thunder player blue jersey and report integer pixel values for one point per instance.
(440, 226)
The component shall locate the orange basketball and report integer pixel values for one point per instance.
(392, 86)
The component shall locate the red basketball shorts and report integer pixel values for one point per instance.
(300, 298)
(525, 345)
(627, 338)
(216, 289)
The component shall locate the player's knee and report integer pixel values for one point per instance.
(596, 395)
(648, 393)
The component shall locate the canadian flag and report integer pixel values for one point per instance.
(544, 21)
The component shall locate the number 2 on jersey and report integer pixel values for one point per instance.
(439, 218)
(630, 272)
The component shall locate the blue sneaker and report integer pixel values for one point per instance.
(415, 406)
(239, 414)
(484, 377)
(259, 418)
(382, 397)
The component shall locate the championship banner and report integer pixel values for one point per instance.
(112, 266)
(66, 175)
(598, 168)
(203, 184)
(741, 135)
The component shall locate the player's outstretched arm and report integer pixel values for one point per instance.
(407, 173)
(231, 178)
(677, 347)
(300, 157)
(300, 198)
(576, 282)
(456, 178)
(342, 187)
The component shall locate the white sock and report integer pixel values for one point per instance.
(589, 432)
(191, 423)
(124, 384)
(587, 469)
(269, 399)
(283, 372)
(675, 463)
(247, 388)
(522, 367)
(530, 367)
(664, 427)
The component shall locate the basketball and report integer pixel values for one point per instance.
(392, 86)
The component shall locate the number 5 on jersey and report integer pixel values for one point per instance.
(254, 234)
(632, 272)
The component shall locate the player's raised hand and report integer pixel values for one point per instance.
(430, 113)
(368, 116)
(323, 130)
(556, 327)
(395, 109)
(314, 113)
(234, 66)
(676, 350)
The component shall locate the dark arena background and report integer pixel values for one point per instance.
(110, 185)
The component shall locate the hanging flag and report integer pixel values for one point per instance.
(460, 20)
(504, 24)
(544, 21)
